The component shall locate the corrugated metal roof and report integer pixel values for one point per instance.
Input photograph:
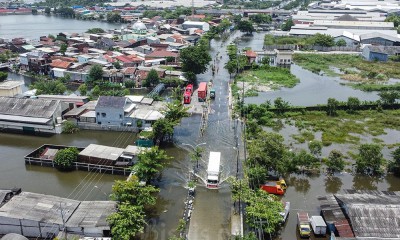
(111, 101)
(103, 152)
(28, 107)
(92, 214)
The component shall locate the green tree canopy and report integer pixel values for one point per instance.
(341, 43)
(95, 73)
(353, 104)
(69, 127)
(113, 17)
(331, 107)
(3, 76)
(194, 59)
(63, 48)
(132, 192)
(83, 89)
(260, 18)
(370, 159)
(286, 26)
(335, 162)
(323, 40)
(49, 87)
(315, 147)
(66, 157)
(245, 26)
(149, 164)
(389, 97)
(152, 79)
(95, 30)
(127, 222)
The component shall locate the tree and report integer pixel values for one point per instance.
(305, 161)
(194, 59)
(281, 105)
(196, 155)
(113, 17)
(331, 107)
(237, 18)
(323, 40)
(341, 43)
(335, 162)
(149, 164)
(96, 91)
(49, 87)
(63, 48)
(132, 192)
(286, 26)
(127, 222)
(231, 66)
(66, 157)
(389, 97)
(177, 94)
(95, 30)
(69, 127)
(83, 89)
(353, 104)
(175, 111)
(260, 18)
(47, 10)
(152, 79)
(3, 76)
(370, 159)
(266, 209)
(162, 128)
(395, 164)
(245, 26)
(393, 18)
(315, 148)
(95, 73)
(117, 65)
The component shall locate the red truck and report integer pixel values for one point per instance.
(273, 188)
(202, 92)
(187, 98)
(189, 89)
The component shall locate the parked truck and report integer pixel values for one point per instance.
(202, 92)
(303, 224)
(273, 188)
(318, 225)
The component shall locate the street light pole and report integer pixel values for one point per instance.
(194, 149)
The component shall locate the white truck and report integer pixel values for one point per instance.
(213, 170)
(318, 225)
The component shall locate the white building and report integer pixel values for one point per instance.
(200, 25)
(10, 88)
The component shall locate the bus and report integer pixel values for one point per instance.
(213, 170)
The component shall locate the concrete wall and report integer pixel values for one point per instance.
(10, 92)
(27, 228)
(373, 56)
(109, 116)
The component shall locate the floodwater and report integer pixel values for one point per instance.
(79, 185)
(313, 89)
(34, 26)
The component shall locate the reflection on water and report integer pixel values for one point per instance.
(300, 183)
(333, 184)
(365, 182)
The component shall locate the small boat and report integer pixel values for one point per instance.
(285, 212)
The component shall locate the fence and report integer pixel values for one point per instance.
(316, 48)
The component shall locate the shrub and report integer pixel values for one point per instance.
(69, 127)
(66, 157)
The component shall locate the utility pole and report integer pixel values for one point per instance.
(63, 220)
(192, 10)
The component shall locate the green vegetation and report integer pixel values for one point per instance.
(66, 157)
(370, 87)
(317, 40)
(273, 77)
(335, 162)
(6, 55)
(260, 18)
(364, 70)
(195, 59)
(395, 19)
(69, 127)
(95, 30)
(127, 222)
(152, 79)
(245, 26)
(150, 163)
(113, 17)
(53, 87)
(3, 76)
(287, 25)
(370, 159)
(168, 14)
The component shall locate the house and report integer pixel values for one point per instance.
(379, 39)
(36, 61)
(162, 54)
(10, 88)
(30, 115)
(284, 56)
(114, 111)
(380, 53)
(200, 25)
(251, 56)
(38, 216)
(67, 102)
(105, 44)
(99, 154)
(350, 38)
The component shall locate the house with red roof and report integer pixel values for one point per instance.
(162, 54)
(251, 56)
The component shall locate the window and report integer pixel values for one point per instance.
(103, 114)
(98, 114)
(120, 116)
